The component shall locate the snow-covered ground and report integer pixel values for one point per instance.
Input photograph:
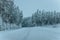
(31, 33)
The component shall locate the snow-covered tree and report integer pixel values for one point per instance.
(45, 17)
(27, 22)
(9, 13)
(18, 15)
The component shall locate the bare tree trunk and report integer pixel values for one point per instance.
(2, 27)
(10, 26)
(6, 28)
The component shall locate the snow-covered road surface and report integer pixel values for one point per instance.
(34, 33)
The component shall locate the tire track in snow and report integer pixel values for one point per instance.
(27, 35)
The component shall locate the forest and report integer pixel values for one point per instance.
(12, 17)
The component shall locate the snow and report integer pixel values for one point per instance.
(31, 33)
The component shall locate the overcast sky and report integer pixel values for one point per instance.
(30, 6)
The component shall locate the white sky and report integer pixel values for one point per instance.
(30, 6)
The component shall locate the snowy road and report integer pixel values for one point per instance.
(35, 33)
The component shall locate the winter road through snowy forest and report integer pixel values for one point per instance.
(33, 33)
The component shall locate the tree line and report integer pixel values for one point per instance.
(40, 18)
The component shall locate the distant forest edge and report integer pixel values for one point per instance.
(11, 15)
(40, 18)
